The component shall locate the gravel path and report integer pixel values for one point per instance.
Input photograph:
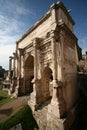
(11, 108)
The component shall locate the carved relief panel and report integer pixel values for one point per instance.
(46, 53)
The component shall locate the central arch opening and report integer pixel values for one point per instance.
(29, 74)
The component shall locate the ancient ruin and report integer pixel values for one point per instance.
(45, 67)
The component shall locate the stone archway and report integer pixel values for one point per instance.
(28, 74)
(47, 81)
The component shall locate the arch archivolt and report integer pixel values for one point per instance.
(26, 55)
(29, 50)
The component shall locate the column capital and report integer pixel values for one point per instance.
(11, 57)
(52, 33)
(21, 51)
(36, 42)
(14, 53)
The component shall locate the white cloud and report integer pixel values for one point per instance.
(22, 10)
(8, 26)
(5, 52)
(7, 40)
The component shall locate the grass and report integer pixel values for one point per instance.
(4, 98)
(23, 116)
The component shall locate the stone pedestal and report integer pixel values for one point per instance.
(35, 98)
(20, 86)
(64, 123)
(54, 123)
(57, 106)
(56, 109)
(14, 81)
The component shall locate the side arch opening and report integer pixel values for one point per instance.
(47, 81)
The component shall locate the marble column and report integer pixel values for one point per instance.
(61, 62)
(35, 81)
(54, 60)
(34, 97)
(10, 66)
(19, 62)
(22, 63)
(19, 77)
(14, 58)
(56, 107)
(35, 58)
(14, 78)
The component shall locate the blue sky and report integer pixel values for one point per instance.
(17, 16)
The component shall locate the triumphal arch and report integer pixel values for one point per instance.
(45, 65)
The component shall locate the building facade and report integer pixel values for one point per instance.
(45, 65)
(83, 63)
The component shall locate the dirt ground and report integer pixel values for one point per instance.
(11, 108)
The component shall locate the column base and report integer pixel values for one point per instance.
(21, 90)
(14, 83)
(32, 102)
(35, 96)
(57, 108)
(57, 105)
(53, 123)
